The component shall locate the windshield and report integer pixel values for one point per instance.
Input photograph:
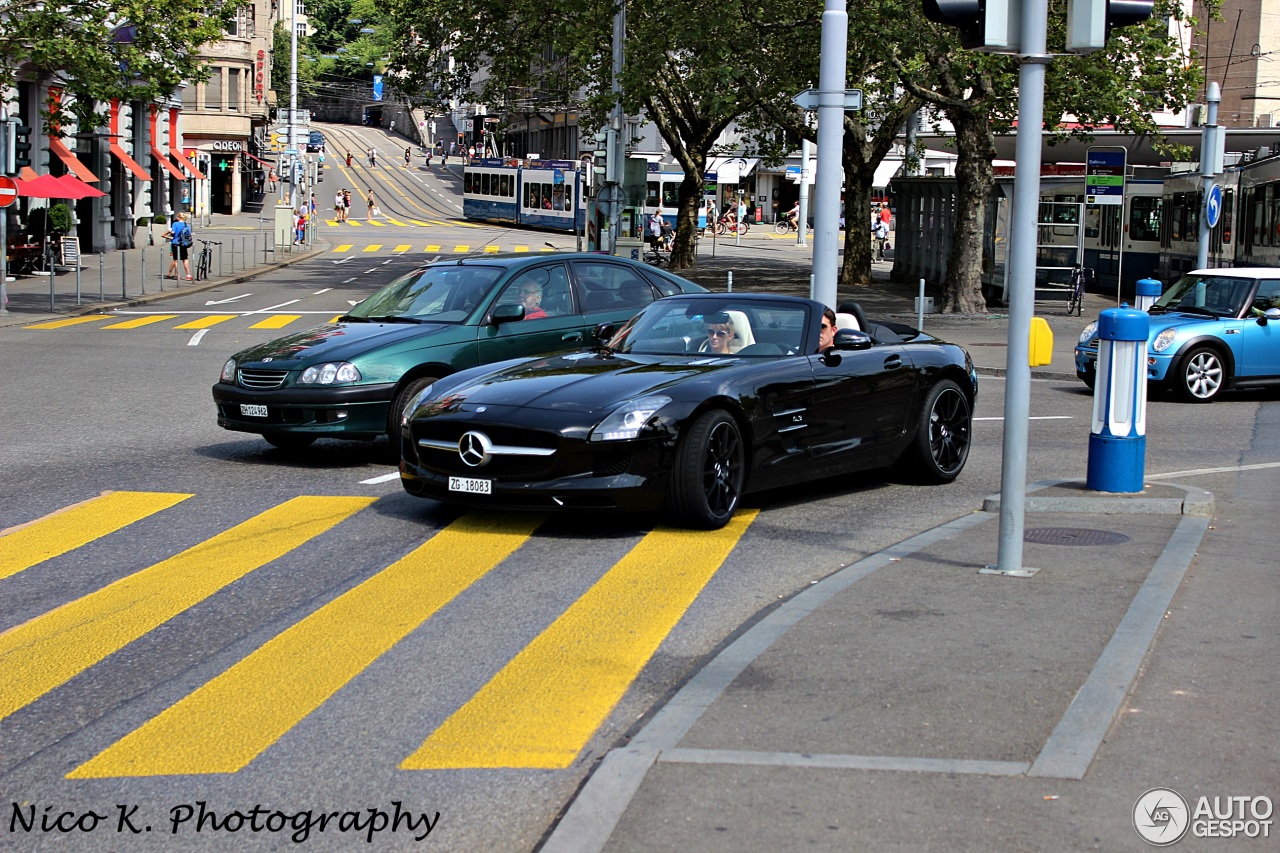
(715, 327)
(439, 294)
(1214, 295)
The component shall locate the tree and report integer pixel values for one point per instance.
(98, 51)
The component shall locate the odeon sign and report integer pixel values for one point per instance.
(227, 145)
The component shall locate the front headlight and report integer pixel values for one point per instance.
(626, 421)
(1164, 340)
(228, 372)
(329, 374)
(1088, 333)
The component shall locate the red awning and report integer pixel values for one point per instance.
(79, 169)
(266, 163)
(185, 162)
(128, 162)
(168, 165)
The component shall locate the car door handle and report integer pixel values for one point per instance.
(572, 337)
(893, 362)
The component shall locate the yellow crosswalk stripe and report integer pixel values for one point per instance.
(418, 222)
(432, 248)
(376, 222)
(354, 222)
(373, 247)
(403, 247)
(548, 249)
(335, 318)
(333, 222)
(345, 247)
(70, 321)
(279, 321)
(522, 248)
(206, 322)
(461, 248)
(394, 221)
(438, 222)
(492, 249)
(138, 322)
(68, 529)
(540, 710)
(225, 724)
(45, 652)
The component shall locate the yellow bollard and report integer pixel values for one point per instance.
(1040, 352)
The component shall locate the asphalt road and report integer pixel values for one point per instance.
(293, 631)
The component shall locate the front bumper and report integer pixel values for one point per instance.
(354, 412)
(1086, 356)
(623, 476)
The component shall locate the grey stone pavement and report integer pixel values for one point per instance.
(909, 702)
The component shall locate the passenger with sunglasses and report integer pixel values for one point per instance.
(720, 335)
(827, 333)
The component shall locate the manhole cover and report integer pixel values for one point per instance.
(1072, 536)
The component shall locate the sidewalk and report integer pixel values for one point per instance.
(128, 277)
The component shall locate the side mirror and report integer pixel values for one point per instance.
(508, 314)
(851, 339)
(1270, 315)
(605, 331)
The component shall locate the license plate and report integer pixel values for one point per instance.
(471, 485)
(251, 411)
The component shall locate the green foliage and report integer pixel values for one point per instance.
(59, 218)
(98, 51)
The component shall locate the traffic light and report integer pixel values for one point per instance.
(1090, 22)
(20, 147)
(993, 26)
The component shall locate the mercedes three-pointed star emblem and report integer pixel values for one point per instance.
(474, 448)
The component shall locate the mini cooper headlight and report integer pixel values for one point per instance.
(329, 374)
(228, 372)
(1164, 340)
(1089, 331)
(626, 421)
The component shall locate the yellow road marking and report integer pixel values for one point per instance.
(492, 249)
(279, 321)
(336, 318)
(206, 322)
(345, 247)
(68, 529)
(226, 723)
(357, 223)
(432, 248)
(522, 248)
(462, 248)
(418, 222)
(394, 221)
(39, 655)
(403, 247)
(334, 222)
(376, 222)
(438, 222)
(548, 249)
(70, 321)
(141, 321)
(540, 710)
(373, 247)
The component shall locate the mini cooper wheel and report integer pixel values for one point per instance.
(709, 472)
(941, 445)
(1201, 375)
(289, 440)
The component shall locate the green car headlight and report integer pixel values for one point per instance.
(626, 421)
(330, 374)
(1164, 340)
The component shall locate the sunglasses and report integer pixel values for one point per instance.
(826, 325)
(718, 333)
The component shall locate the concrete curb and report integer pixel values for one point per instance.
(1197, 502)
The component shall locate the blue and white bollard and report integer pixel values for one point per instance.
(1118, 438)
(1148, 292)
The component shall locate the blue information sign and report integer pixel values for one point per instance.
(1213, 206)
(1104, 176)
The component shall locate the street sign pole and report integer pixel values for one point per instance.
(1210, 165)
(4, 220)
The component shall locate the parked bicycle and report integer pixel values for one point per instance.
(204, 261)
(1080, 276)
(654, 255)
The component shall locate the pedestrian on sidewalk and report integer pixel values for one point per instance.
(180, 239)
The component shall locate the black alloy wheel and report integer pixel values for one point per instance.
(943, 435)
(709, 472)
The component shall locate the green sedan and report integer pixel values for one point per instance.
(351, 378)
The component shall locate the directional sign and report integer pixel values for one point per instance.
(1104, 176)
(8, 191)
(1213, 206)
(808, 99)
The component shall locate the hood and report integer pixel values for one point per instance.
(583, 382)
(336, 342)
(1180, 321)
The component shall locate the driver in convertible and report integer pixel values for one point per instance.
(721, 337)
(827, 333)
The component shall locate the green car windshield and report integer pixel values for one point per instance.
(438, 294)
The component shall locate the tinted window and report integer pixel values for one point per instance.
(438, 295)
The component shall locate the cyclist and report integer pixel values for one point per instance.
(793, 215)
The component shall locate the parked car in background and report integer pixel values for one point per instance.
(352, 377)
(697, 401)
(1213, 329)
(315, 141)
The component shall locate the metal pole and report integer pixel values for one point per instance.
(826, 203)
(4, 219)
(219, 260)
(806, 177)
(124, 288)
(1208, 154)
(102, 278)
(920, 308)
(1022, 240)
(144, 275)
